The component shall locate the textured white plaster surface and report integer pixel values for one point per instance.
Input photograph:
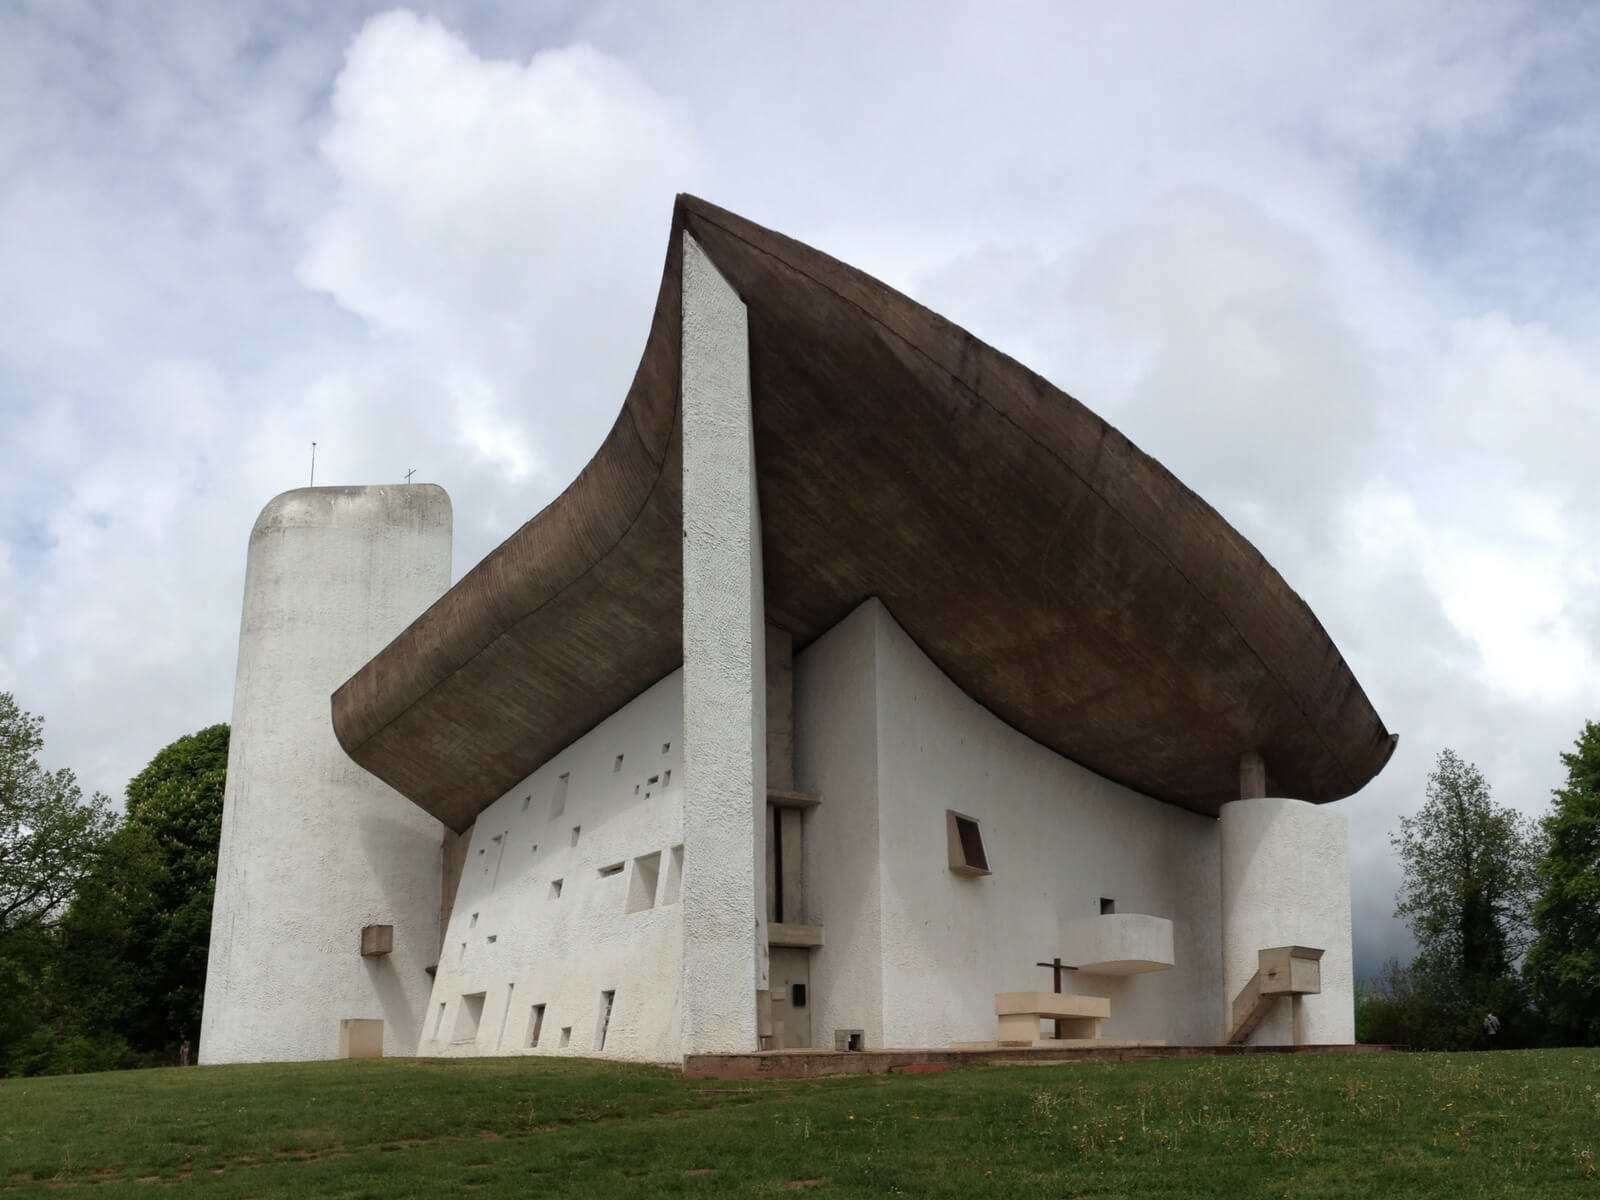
(724, 673)
(563, 952)
(1286, 882)
(1058, 839)
(313, 847)
(836, 757)
(1117, 943)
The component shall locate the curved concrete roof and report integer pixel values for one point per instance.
(1062, 577)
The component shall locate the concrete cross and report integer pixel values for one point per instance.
(1056, 966)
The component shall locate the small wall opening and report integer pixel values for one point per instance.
(468, 1017)
(616, 766)
(642, 885)
(673, 892)
(566, 1035)
(558, 798)
(610, 869)
(535, 1025)
(438, 1021)
(555, 889)
(965, 842)
(849, 1039)
(604, 1024)
(1107, 906)
(576, 830)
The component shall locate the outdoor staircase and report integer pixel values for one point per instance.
(1293, 971)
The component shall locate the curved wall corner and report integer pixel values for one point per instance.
(1286, 882)
(313, 847)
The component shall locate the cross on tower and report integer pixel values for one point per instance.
(410, 473)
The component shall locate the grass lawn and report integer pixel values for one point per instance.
(1507, 1124)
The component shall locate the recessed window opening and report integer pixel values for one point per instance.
(605, 1019)
(616, 766)
(576, 829)
(492, 938)
(967, 855)
(642, 885)
(665, 746)
(653, 780)
(504, 1014)
(673, 890)
(666, 778)
(636, 789)
(463, 953)
(438, 1021)
(473, 923)
(606, 872)
(558, 798)
(535, 1024)
(468, 1017)
(527, 800)
(566, 1035)
(535, 849)
(1107, 906)
(555, 889)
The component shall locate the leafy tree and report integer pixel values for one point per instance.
(1563, 965)
(137, 937)
(50, 837)
(1467, 894)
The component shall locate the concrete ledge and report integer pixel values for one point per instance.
(816, 1064)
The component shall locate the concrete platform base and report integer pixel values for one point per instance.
(814, 1064)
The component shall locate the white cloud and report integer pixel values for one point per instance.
(1326, 262)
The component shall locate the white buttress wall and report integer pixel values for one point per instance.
(1058, 839)
(1286, 882)
(612, 798)
(313, 847)
(724, 674)
(836, 757)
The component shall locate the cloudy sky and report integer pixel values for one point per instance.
(1333, 263)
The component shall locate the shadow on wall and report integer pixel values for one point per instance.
(385, 843)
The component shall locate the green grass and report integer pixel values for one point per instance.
(1508, 1124)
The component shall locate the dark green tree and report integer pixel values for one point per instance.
(1467, 896)
(136, 939)
(1563, 964)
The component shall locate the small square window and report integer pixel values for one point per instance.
(965, 842)
(1107, 906)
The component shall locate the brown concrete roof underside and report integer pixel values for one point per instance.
(1055, 572)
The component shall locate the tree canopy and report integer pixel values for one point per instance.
(1563, 965)
(1467, 894)
(50, 836)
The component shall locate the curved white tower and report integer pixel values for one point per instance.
(1286, 882)
(313, 847)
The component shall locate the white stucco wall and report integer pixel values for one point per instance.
(563, 952)
(1058, 837)
(936, 946)
(836, 757)
(724, 673)
(1286, 882)
(313, 847)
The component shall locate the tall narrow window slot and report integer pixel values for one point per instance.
(605, 1019)
(535, 1025)
(558, 798)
